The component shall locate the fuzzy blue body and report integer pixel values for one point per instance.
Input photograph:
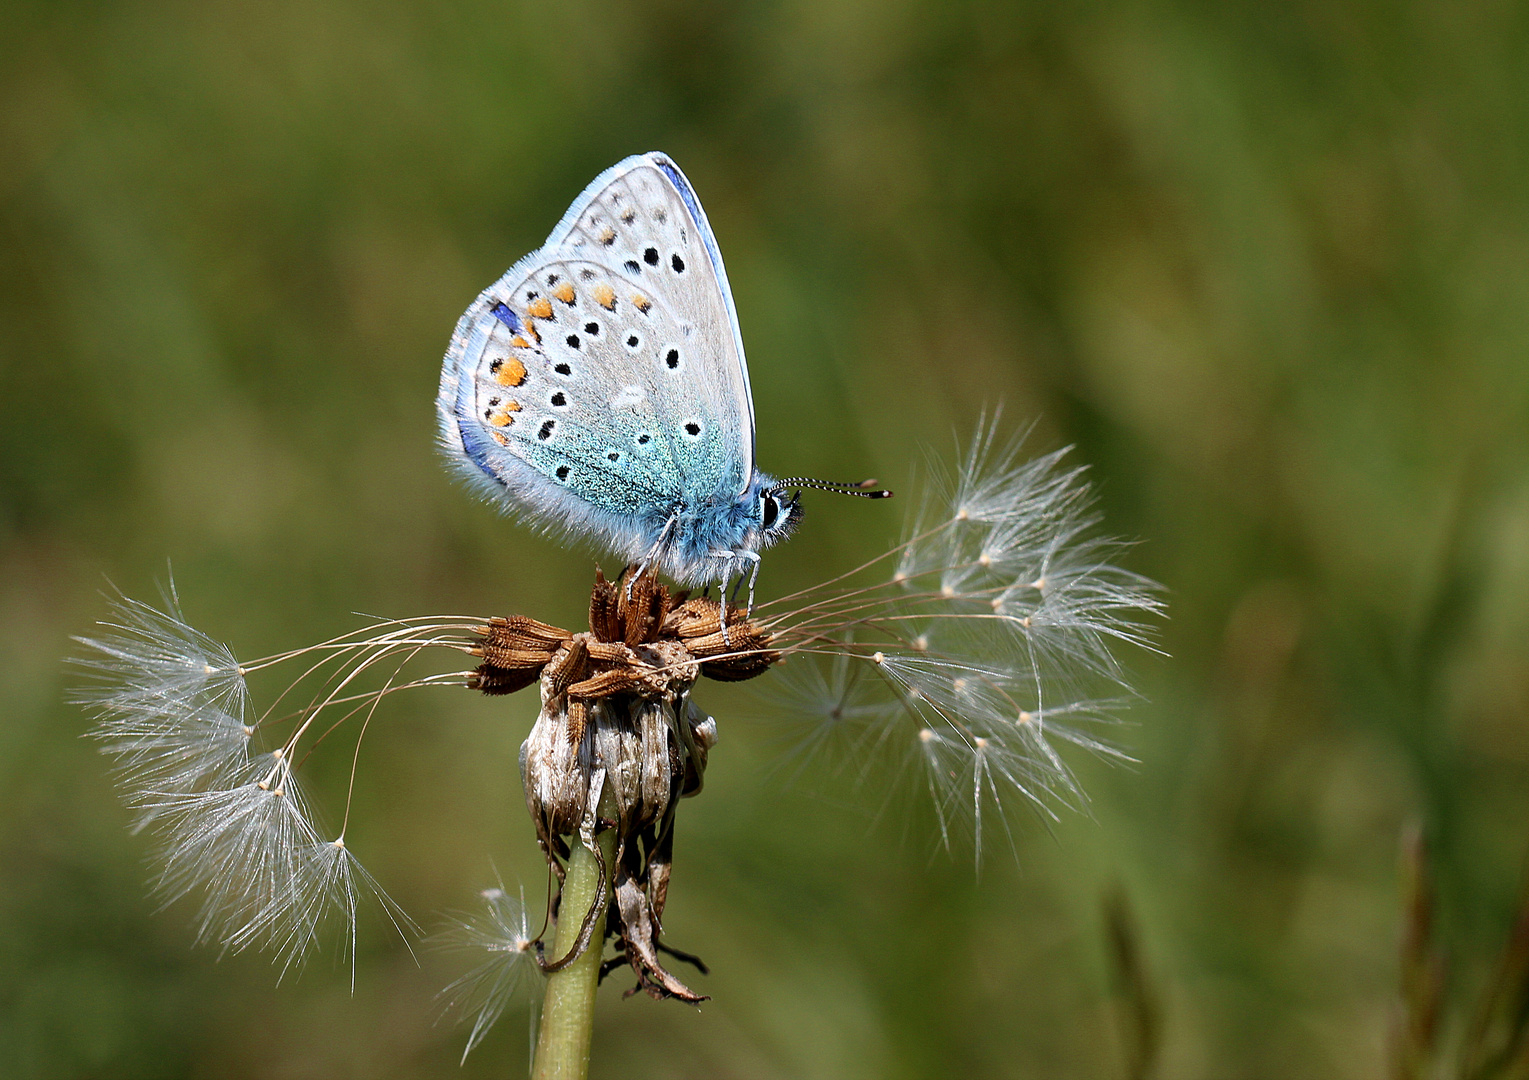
(599, 388)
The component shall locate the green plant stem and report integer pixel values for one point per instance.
(568, 1013)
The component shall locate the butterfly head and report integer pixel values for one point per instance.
(779, 514)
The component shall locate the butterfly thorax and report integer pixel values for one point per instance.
(700, 542)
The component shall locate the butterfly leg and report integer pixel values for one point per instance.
(752, 556)
(728, 557)
(652, 556)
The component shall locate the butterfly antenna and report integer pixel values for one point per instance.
(866, 489)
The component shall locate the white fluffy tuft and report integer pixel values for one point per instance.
(985, 649)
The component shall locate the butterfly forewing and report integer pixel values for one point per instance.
(609, 362)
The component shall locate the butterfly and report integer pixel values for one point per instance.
(599, 390)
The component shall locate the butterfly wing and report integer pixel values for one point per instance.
(601, 382)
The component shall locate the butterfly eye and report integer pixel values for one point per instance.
(771, 510)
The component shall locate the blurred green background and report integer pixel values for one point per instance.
(1266, 266)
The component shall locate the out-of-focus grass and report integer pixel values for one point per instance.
(1266, 265)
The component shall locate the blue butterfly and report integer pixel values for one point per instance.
(599, 390)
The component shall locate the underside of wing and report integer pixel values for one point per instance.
(600, 384)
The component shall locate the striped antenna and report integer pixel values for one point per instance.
(866, 489)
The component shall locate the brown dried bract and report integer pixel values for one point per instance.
(740, 652)
(516, 650)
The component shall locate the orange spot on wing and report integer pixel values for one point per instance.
(607, 235)
(500, 439)
(540, 308)
(520, 342)
(511, 372)
(642, 302)
(564, 292)
(605, 296)
(502, 418)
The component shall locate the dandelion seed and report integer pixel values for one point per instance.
(339, 885)
(501, 930)
(153, 658)
(170, 701)
(839, 700)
